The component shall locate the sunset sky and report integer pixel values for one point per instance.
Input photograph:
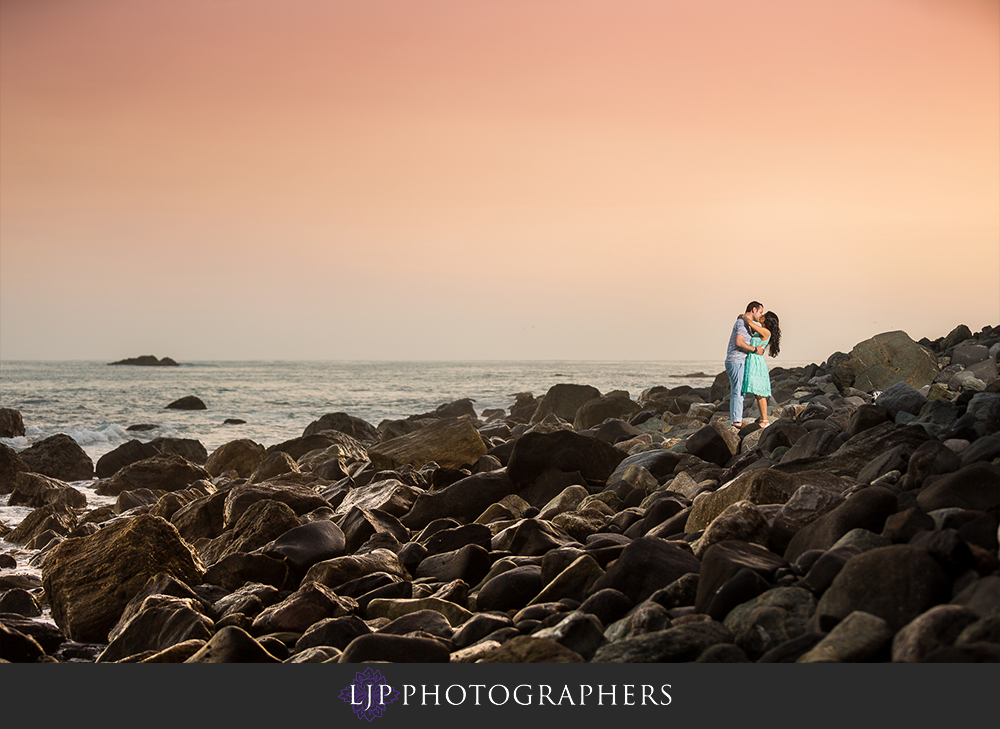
(518, 179)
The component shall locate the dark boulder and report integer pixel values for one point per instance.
(395, 649)
(303, 546)
(646, 565)
(896, 583)
(159, 473)
(11, 464)
(564, 450)
(124, 455)
(89, 580)
(709, 445)
(463, 500)
(616, 405)
(232, 644)
(242, 456)
(679, 644)
(333, 632)
(850, 458)
(11, 423)
(563, 400)
(865, 509)
(357, 428)
(724, 560)
(976, 487)
(510, 590)
(59, 456)
(189, 402)
(884, 360)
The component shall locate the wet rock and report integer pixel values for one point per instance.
(126, 454)
(88, 581)
(335, 572)
(451, 443)
(189, 448)
(162, 472)
(59, 518)
(16, 647)
(20, 602)
(160, 623)
(242, 456)
(11, 423)
(10, 465)
(188, 402)
(306, 606)
(60, 457)
(232, 644)
(35, 490)
(262, 522)
(355, 427)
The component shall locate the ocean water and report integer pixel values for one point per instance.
(95, 403)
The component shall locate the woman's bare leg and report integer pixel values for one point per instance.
(762, 404)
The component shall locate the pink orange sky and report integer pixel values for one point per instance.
(526, 179)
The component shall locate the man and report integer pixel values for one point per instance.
(736, 356)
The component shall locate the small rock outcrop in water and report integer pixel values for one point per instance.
(146, 360)
(189, 402)
(860, 526)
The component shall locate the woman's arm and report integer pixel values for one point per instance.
(759, 328)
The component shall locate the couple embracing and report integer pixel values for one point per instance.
(755, 332)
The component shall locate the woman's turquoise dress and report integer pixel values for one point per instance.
(756, 378)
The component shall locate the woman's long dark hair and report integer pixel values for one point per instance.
(771, 324)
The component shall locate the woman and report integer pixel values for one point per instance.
(756, 379)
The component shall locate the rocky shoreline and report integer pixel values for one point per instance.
(576, 526)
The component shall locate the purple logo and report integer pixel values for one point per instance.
(369, 694)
